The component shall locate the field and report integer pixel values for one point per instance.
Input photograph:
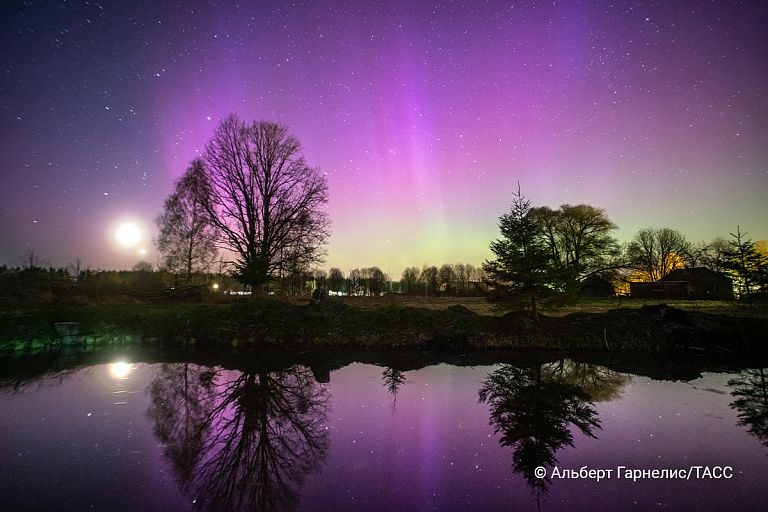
(481, 306)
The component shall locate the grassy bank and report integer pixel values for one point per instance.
(422, 323)
(481, 306)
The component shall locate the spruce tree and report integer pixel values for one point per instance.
(519, 274)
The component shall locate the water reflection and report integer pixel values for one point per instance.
(120, 370)
(751, 392)
(535, 408)
(252, 436)
(393, 379)
(599, 382)
(240, 441)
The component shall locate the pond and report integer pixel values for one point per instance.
(130, 432)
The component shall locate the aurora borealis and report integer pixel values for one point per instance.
(424, 115)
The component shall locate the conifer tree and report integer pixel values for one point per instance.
(520, 272)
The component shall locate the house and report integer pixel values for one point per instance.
(686, 283)
(596, 286)
(703, 283)
(658, 290)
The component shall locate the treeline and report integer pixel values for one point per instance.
(35, 285)
(449, 280)
(32, 283)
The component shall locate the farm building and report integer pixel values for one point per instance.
(703, 283)
(596, 286)
(686, 283)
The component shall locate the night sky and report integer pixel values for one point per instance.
(424, 115)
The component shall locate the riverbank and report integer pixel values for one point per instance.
(387, 324)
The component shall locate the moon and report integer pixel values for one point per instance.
(128, 234)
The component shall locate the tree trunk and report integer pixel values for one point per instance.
(533, 308)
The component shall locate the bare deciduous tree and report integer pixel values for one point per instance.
(142, 266)
(429, 278)
(715, 255)
(410, 280)
(696, 254)
(579, 239)
(187, 238)
(30, 260)
(656, 251)
(76, 269)
(264, 199)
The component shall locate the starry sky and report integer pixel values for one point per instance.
(423, 115)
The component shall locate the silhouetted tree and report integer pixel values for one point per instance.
(76, 269)
(430, 279)
(466, 276)
(521, 270)
(695, 256)
(376, 281)
(453, 279)
(336, 281)
(461, 278)
(655, 252)
(751, 390)
(320, 278)
(748, 266)
(446, 279)
(715, 254)
(295, 277)
(265, 201)
(579, 240)
(409, 282)
(142, 266)
(356, 282)
(187, 239)
(30, 260)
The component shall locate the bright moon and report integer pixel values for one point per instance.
(128, 234)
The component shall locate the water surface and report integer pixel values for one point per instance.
(186, 436)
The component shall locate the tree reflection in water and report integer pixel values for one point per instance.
(393, 379)
(240, 441)
(534, 408)
(751, 390)
(181, 395)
